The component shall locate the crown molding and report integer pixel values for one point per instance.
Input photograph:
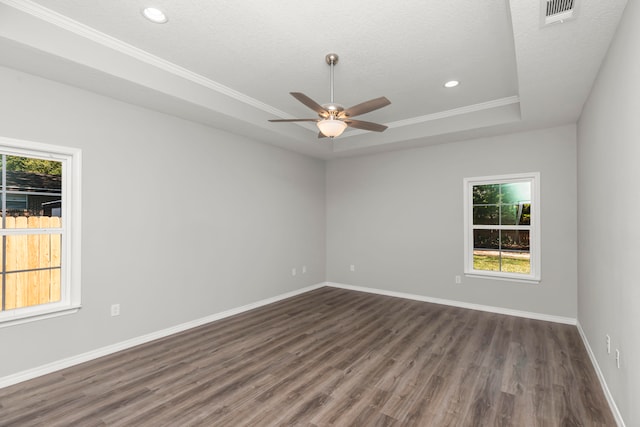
(89, 33)
(496, 103)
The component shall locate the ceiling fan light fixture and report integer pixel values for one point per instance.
(331, 127)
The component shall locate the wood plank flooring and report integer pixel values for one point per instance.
(330, 357)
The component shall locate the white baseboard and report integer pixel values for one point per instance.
(123, 345)
(603, 382)
(490, 309)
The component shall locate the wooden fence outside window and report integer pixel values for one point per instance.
(31, 274)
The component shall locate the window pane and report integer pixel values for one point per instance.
(516, 214)
(32, 251)
(516, 253)
(31, 288)
(515, 240)
(486, 194)
(33, 189)
(27, 174)
(486, 250)
(516, 192)
(486, 239)
(486, 260)
(485, 215)
(508, 214)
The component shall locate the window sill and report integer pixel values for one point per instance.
(533, 281)
(35, 315)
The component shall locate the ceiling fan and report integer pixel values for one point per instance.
(334, 118)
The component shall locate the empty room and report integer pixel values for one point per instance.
(286, 213)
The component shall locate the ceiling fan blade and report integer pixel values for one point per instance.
(360, 124)
(310, 103)
(321, 135)
(365, 107)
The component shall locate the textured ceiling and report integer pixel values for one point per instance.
(231, 64)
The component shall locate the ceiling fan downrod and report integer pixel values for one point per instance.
(332, 59)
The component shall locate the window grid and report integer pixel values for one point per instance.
(522, 216)
(34, 232)
(48, 229)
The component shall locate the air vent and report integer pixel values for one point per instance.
(558, 10)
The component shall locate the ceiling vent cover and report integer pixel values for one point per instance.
(558, 10)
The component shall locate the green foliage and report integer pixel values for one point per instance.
(502, 204)
(517, 240)
(508, 193)
(486, 194)
(28, 164)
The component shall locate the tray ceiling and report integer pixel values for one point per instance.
(231, 64)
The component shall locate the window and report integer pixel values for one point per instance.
(502, 227)
(39, 231)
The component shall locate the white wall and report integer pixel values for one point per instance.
(180, 221)
(609, 216)
(398, 217)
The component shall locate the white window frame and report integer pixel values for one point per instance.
(534, 228)
(71, 159)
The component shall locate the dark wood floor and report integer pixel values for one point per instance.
(331, 357)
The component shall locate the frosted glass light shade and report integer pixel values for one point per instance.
(331, 127)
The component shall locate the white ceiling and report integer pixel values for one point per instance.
(232, 63)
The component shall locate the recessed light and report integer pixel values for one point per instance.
(154, 14)
(451, 83)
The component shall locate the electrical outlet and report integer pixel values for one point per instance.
(458, 280)
(608, 338)
(115, 309)
(618, 358)
(304, 269)
(294, 272)
(352, 267)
